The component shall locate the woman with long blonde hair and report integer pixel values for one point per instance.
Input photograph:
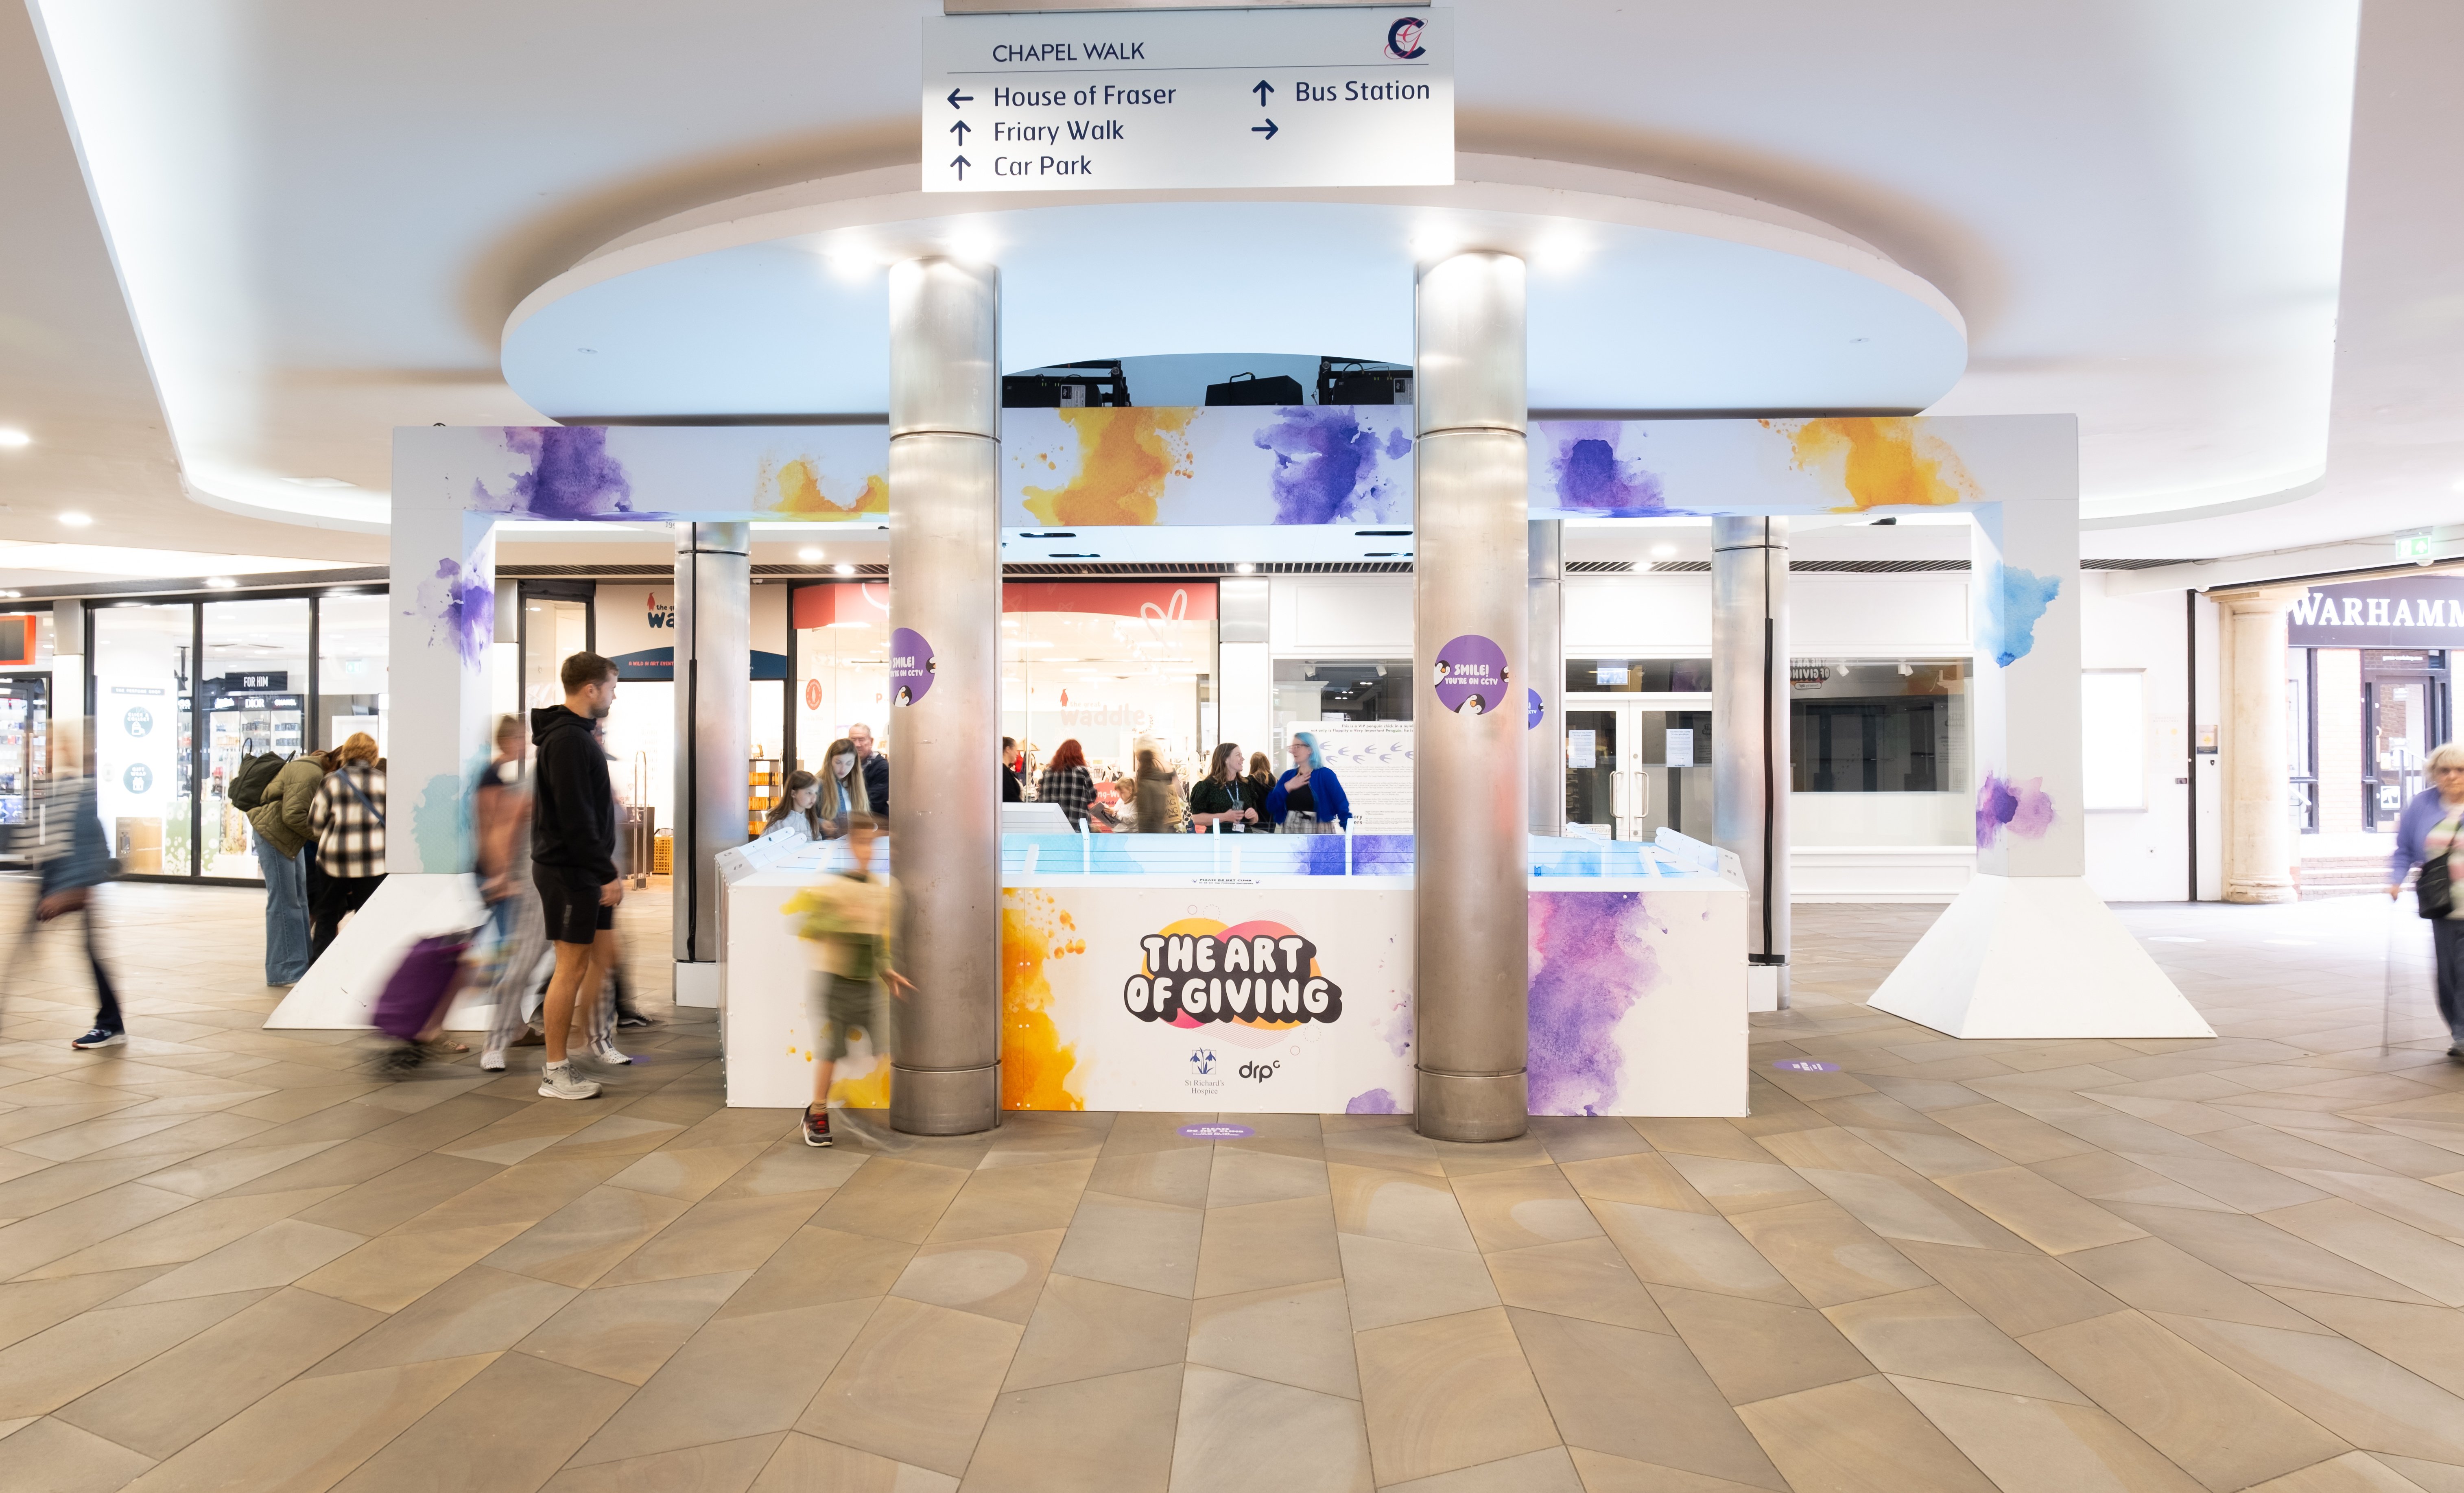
(842, 790)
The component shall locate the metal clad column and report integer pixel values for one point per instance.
(1749, 755)
(944, 792)
(714, 652)
(1469, 799)
(1544, 651)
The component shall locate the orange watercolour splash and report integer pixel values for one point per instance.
(869, 1091)
(1035, 1067)
(1883, 461)
(1124, 456)
(801, 495)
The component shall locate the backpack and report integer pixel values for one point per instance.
(255, 773)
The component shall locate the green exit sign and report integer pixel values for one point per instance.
(2413, 546)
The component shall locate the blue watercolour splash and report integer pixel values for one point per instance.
(1378, 1101)
(2014, 603)
(462, 604)
(571, 477)
(1326, 465)
(1591, 477)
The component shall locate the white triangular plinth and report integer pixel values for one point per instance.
(340, 992)
(2034, 956)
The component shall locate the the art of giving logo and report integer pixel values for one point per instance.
(1256, 974)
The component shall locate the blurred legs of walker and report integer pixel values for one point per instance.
(838, 1005)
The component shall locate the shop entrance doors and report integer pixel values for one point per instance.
(2405, 714)
(1634, 765)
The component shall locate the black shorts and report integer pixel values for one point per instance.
(569, 901)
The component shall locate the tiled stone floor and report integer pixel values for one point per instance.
(233, 1260)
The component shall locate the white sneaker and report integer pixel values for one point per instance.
(492, 1059)
(559, 1081)
(606, 1052)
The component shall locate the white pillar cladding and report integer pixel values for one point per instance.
(945, 605)
(2029, 950)
(2258, 816)
(714, 666)
(1470, 805)
(1544, 647)
(1750, 762)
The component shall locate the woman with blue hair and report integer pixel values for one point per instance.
(1307, 799)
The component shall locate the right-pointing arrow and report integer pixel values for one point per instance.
(1267, 130)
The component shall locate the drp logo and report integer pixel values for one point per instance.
(1260, 1072)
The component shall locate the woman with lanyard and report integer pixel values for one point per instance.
(1307, 799)
(2430, 834)
(1220, 797)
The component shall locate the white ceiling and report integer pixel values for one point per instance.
(324, 219)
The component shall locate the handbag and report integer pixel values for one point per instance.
(2433, 890)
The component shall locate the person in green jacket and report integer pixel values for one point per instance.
(280, 822)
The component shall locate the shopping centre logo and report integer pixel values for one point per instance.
(1257, 974)
(1403, 39)
(657, 613)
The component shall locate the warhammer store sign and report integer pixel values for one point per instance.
(2398, 611)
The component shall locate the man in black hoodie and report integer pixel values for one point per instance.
(573, 856)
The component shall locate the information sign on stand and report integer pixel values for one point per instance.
(1136, 100)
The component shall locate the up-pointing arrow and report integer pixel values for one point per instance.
(959, 129)
(1262, 88)
(961, 162)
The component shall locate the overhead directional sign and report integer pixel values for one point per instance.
(1137, 100)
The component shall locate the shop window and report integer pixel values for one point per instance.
(841, 673)
(255, 684)
(1637, 676)
(1113, 682)
(145, 667)
(1313, 690)
(1877, 726)
(351, 680)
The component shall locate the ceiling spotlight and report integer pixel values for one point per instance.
(11, 435)
(77, 521)
(844, 568)
(221, 583)
(11, 595)
(1245, 568)
(318, 482)
(1662, 551)
(808, 553)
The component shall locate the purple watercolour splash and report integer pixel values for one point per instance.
(1591, 477)
(571, 477)
(462, 604)
(2025, 808)
(1378, 1101)
(1326, 465)
(1592, 960)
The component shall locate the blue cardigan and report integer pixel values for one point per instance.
(2420, 817)
(1324, 789)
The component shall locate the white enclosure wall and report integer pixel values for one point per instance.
(2138, 855)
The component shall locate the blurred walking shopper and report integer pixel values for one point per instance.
(1013, 791)
(2430, 835)
(875, 768)
(1155, 804)
(1067, 782)
(848, 920)
(500, 812)
(282, 834)
(347, 820)
(1307, 799)
(1221, 796)
(573, 858)
(71, 857)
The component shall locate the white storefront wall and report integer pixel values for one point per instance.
(1850, 847)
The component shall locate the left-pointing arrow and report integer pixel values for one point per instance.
(957, 97)
(961, 162)
(959, 129)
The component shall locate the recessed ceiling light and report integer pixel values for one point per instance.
(1245, 568)
(221, 583)
(1662, 551)
(808, 553)
(77, 521)
(844, 568)
(318, 482)
(11, 435)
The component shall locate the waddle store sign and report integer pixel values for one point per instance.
(2400, 611)
(1106, 100)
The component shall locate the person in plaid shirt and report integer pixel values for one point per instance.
(347, 820)
(1066, 781)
